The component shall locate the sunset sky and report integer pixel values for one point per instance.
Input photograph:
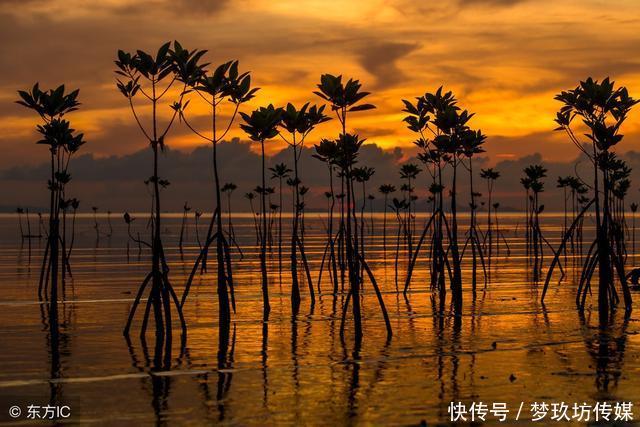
(504, 59)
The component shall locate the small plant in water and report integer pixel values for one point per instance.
(63, 142)
(280, 172)
(385, 190)
(226, 85)
(602, 108)
(298, 123)
(150, 77)
(262, 125)
(345, 98)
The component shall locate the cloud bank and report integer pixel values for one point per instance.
(116, 182)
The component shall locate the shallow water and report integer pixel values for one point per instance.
(507, 348)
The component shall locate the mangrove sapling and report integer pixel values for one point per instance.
(63, 142)
(490, 175)
(348, 148)
(20, 211)
(327, 152)
(128, 219)
(446, 123)
(494, 209)
(273, 210)
(146, 75)
(472, 144)
(579, 190)
(398, 207)
(409, 172)
(196, 218)
(526, 184)
(36, 236)
(28, 216)
(572, 184)
(96, 225)
(417, 120)
(451, 145)
(75, 204)
(602, 108)
(406, 193)
(341, 238)
(362, 175)
(343, 98)
(533, 178)
(622, 225)
(328, 196)
(65, 204)
(370, 199)
(185, 210)
(227, 85)
(23, 236)
(532, 181)
(110, 232)
(581, 202)
(385, 190)
(619, 173)
(268, 191)
(564, 182)
(499, 233)
(433, 160)
(412, 200)
(258, 214)
(250, 196)
(303, 191)
(280, 172)
(228, 188)
(298, 123)
(262, 125)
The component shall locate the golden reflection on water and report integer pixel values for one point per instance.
(508, 347)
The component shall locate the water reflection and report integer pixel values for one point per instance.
(155, 365)
(352, 367)
(295, 368)
(606, 346)
(263, 361)
(225, 369)
(56, 324)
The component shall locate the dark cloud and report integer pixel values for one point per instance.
(116, 182)
(77, 52)
(380, 58)
(554, 144)
(21, 152)
(10, 4)
(182, 8)
(207, 7)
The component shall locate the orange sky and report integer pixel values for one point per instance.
(505, 60)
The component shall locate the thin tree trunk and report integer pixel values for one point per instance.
(263, 241)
